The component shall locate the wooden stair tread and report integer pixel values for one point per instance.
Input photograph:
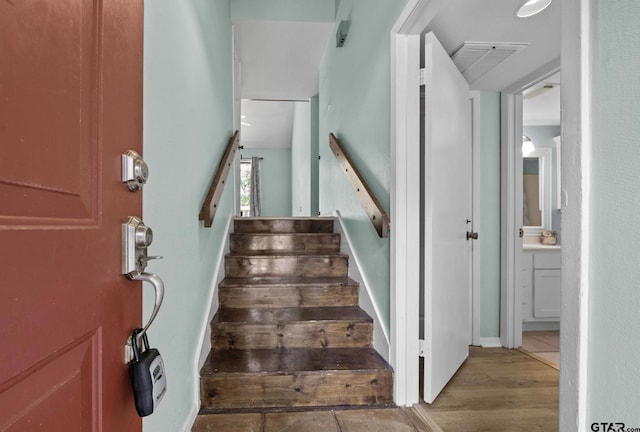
(282, 225)
(288, 331)
(274, 242)
(291, 314)
(286, 281)
(297, 291)
(293, 360)
(269, 254)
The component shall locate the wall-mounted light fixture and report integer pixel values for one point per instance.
(341, 34)
(527, 146)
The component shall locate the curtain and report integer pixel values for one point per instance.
(255, 205)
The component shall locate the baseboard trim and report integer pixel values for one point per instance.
(205, 330)
(490, 342)
(541, 326)
(380, 335)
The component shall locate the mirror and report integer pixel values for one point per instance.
(536, 194)
(541, 174)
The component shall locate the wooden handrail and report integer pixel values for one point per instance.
(372, 206)
(211, 202)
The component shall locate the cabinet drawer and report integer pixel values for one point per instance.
(546, 293)
(546, 260)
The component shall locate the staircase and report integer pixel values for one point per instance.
(289, 332)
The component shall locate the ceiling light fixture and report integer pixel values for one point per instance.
(532, 7)
(527, 146)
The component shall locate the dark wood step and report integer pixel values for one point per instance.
(322, 327)
(287, 292)
(295, 377)
(290, 242)
(283, 225)
(286, 264)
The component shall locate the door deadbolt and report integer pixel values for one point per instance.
(136, 238)
(135, 171)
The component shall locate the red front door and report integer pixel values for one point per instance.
(70, 105)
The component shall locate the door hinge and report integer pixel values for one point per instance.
(422, 77)
(421, 347)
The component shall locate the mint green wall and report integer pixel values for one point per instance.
(304, 159)
(354, 104)
(275, 180)
(313, 112)
(187, 123)
(489, 214)
(283, 10)
(300, 160)
(614, 294)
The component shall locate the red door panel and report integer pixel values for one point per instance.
(70, 105)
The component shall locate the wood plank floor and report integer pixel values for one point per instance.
(498, 390)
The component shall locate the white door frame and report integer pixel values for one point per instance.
(405, 193)
(474, 291)
(577, 45)
(511, 205)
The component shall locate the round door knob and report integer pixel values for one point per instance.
(141, 171)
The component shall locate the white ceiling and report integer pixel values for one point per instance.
(280, 59)
(279, 63)
(495, 21)
(543, 108)
(266, 124)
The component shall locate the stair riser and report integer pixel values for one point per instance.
(275, 226)
(317, 243)
(309, 296)
(298, 390)
(304, 334)
(312, 266)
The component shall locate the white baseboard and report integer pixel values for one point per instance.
(490, 342)
(380, 335)
(541, 326)
(205, 328)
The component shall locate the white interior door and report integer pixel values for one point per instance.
(447, 198)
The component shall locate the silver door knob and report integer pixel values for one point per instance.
(472, 235)
(135, 171)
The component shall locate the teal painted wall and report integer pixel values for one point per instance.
(275, 179)
(354, 104)
(489, 214)
(614, 294)
(300, 160)
(283, 10)
(187, 113)
(313, 112)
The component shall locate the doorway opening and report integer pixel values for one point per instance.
(538, 257)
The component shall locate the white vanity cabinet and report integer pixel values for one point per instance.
(541, 285)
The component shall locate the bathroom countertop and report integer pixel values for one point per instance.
(540, 247)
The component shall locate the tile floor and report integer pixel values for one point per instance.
(353, 420)
(543, 344)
